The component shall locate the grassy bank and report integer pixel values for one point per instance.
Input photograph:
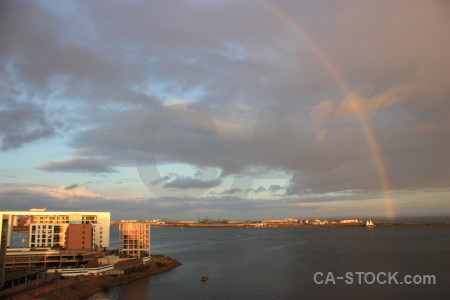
(86, 288)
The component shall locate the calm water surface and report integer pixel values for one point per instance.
(279, 263)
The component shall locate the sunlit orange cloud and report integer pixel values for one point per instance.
(68, 192)
(63, 193)
(178, 103)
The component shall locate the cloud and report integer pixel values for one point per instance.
(71, 187)
(86, 165)
(355, 102)
(57, 199)
(306, 205)
(21, 124)
(66, 192)
(161, 180)
(260, 190)
(192, 183)
(25, 195)
(273, 188)
(20, 185)
(8, 176)
(231, 191)
(91, 78)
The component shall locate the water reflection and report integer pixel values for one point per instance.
(279, 263)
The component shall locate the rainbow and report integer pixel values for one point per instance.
(357, 107)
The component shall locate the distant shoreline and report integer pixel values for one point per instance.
(377, 224)
(250, 226)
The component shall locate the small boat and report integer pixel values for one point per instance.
(204, 278)
(370, 224)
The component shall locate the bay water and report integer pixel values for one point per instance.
(281, 263)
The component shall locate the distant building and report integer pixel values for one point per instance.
(187, 222)
(48, 228)
(38, 209)
(283, 221)
(157, 222)
(257, 225)
(349, 221)
(235, 222)
(134, 238)
(3, 241)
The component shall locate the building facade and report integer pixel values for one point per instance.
(4, 219)
(134, 238)
(49, 228)
(79, 237)
(47, 235)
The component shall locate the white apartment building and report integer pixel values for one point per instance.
(48, 228)
(47, 235)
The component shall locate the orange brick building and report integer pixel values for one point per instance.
(79, 237)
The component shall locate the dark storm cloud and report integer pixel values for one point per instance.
(192, 183)
(89, 165)
(231, 191)
(111, 65)
(273, 188)
(22, 123)
(161, 180)
(260, 190)
(71, 187)
(49, 53)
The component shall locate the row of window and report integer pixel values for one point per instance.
(45, 245)
(132, 231)
(43, 237)
(138, 247)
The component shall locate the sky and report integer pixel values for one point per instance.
(226, 109)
